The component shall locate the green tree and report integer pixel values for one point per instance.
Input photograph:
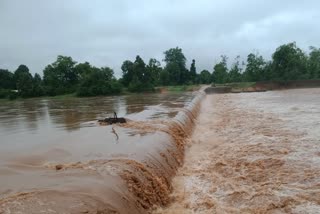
(127, 72)
(140, 71)
(6, 79)
(235, 71)
(142, 77)
(289, 63)
(136, 85)
(164, 77)
(193, 71)
(82, 69)
(174, 73)
(61, 76)
(154, 68)
(137, 76)
(99, 82)
(220, 71)
(268, 72)
(255, 69)
(176, 66)
(314, 63)
(24, 81)
(37, 89)
(205, 77)
(52, 81)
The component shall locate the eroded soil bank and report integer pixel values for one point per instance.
(252, 153)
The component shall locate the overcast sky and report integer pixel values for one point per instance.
(107, 32)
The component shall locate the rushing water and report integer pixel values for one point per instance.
(253, 153)
(55, 156)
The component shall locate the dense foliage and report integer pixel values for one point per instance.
(288, 63)
(98, 81)
(60, 77)
(137, 76)
(65, 75)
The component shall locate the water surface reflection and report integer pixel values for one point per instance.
(41, 120)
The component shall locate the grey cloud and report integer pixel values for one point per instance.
(106, 33)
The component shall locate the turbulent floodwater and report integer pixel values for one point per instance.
(249, 153)
(54, 160)
(252, 153)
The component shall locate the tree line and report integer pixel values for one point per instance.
(65, 75)
(288, 62)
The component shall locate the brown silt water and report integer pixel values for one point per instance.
(252, 153)
(244, 153)
(55, 157)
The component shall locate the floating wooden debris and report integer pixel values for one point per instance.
(59, 167)
(112, 120)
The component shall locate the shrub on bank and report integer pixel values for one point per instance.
(4, 93)
(8, 94)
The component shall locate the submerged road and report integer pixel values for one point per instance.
(252, 153)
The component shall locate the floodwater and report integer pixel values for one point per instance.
(55, 157)
(40, 121)
(252, 153)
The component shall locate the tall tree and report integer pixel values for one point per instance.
(205, 77)
(139, 68)
(176, 65)
(255, 68)
(314, 63)
(37, 86)
(99, 81)
(127, 72)
(24, 81)
(193, 71)
(82, 69)
(289, 63)
(6, 79)
(136, 76)
(220, 71)
(164, 77)
(235, 71)
(154, 68)
(61, 77)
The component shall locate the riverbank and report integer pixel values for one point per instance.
(252, 153)
(159, 89)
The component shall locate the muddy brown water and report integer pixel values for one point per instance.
(252, 153)
(23, 121)
(249, 153)
(54, 157)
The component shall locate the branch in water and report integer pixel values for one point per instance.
(114, 132)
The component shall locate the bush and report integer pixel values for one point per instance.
(13, 95)
(8, 93)
(104, 88)
(116, 87)
(4, 93)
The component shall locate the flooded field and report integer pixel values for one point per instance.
(55, 158)
(252, 153)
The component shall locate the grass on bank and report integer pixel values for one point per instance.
(125, 91)
(179, 88)
(236, 85)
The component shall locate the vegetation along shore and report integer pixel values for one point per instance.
(66, 76)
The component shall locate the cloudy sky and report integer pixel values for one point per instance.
(107, 32)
